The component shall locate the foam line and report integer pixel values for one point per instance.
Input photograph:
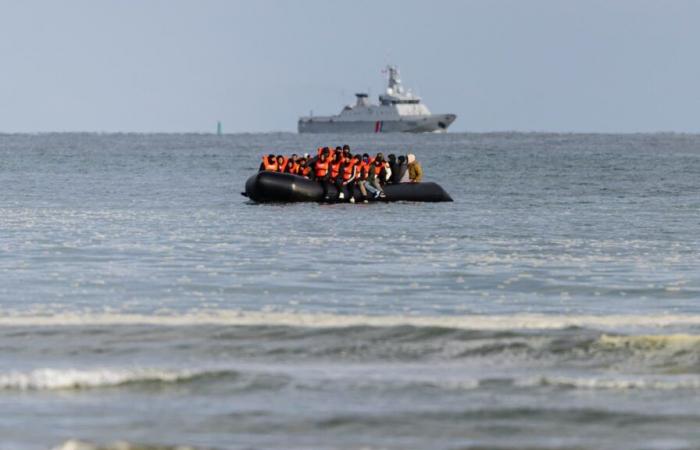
(324, 320)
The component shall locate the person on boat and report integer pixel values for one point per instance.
(290, 167)
(304, 168)
(365, 162)
(295, 159)
(346, 179)
(346, 151)
(322, 171)
(381, 169)
(374, 175)
(400, 174)
(281, 163)
(362, 172)
(269, 163)
(393, 166)
(415, 171)
(387, 173)
(336, 162)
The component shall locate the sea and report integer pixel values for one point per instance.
(146, 304)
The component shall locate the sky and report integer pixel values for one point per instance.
(256, 66)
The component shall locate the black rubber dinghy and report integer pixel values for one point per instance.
(275, 187)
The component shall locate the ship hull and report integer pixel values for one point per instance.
(415, 124)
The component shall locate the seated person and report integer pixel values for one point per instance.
(290, 167)
(268, 163)
(304, 170)
(375, 174)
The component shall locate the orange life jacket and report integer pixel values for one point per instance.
(348, 170)
(335, 169)
(295, 169)
(269, 166)
(282, 166)
(304, 171)
(321, 168)
(378, 169)
(363, 170)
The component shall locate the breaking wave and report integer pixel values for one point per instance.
(326, 320)
(67, 379)
(74, 444)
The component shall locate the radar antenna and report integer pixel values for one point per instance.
(395, 86)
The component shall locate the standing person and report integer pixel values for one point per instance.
(322, 172)
(415, 171)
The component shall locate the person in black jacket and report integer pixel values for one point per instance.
(401, 172)
(394, 166)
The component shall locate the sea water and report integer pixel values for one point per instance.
(145, 302)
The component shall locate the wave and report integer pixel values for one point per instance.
(74, 444)
(49, 379)
(616, 383)
(648, 344)
(328, 320)
(75, 379)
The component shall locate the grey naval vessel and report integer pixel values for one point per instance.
(399, 110)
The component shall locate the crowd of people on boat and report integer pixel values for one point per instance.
(354, 175)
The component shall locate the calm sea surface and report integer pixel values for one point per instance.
(554, 305)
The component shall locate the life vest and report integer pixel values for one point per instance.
(283, 165)
(348, 170)
(295, 169)
(378, 169)
(363, 170)
(335, 169)
(321, 168)
(304, 171)
(269, 166)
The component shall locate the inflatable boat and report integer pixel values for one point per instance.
(275, 187)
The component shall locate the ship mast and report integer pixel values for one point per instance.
(395, 86)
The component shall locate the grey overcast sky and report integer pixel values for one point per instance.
(178, 66)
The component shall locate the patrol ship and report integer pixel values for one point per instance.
(399, 110)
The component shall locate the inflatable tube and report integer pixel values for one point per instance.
(275, 187)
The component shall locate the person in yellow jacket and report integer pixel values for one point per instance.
(415, 171)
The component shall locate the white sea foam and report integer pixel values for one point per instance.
(75, 444)
(58, 379)
(617, 383)
(325, 320)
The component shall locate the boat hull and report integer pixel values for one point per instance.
(407, 124)
(274, 187)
